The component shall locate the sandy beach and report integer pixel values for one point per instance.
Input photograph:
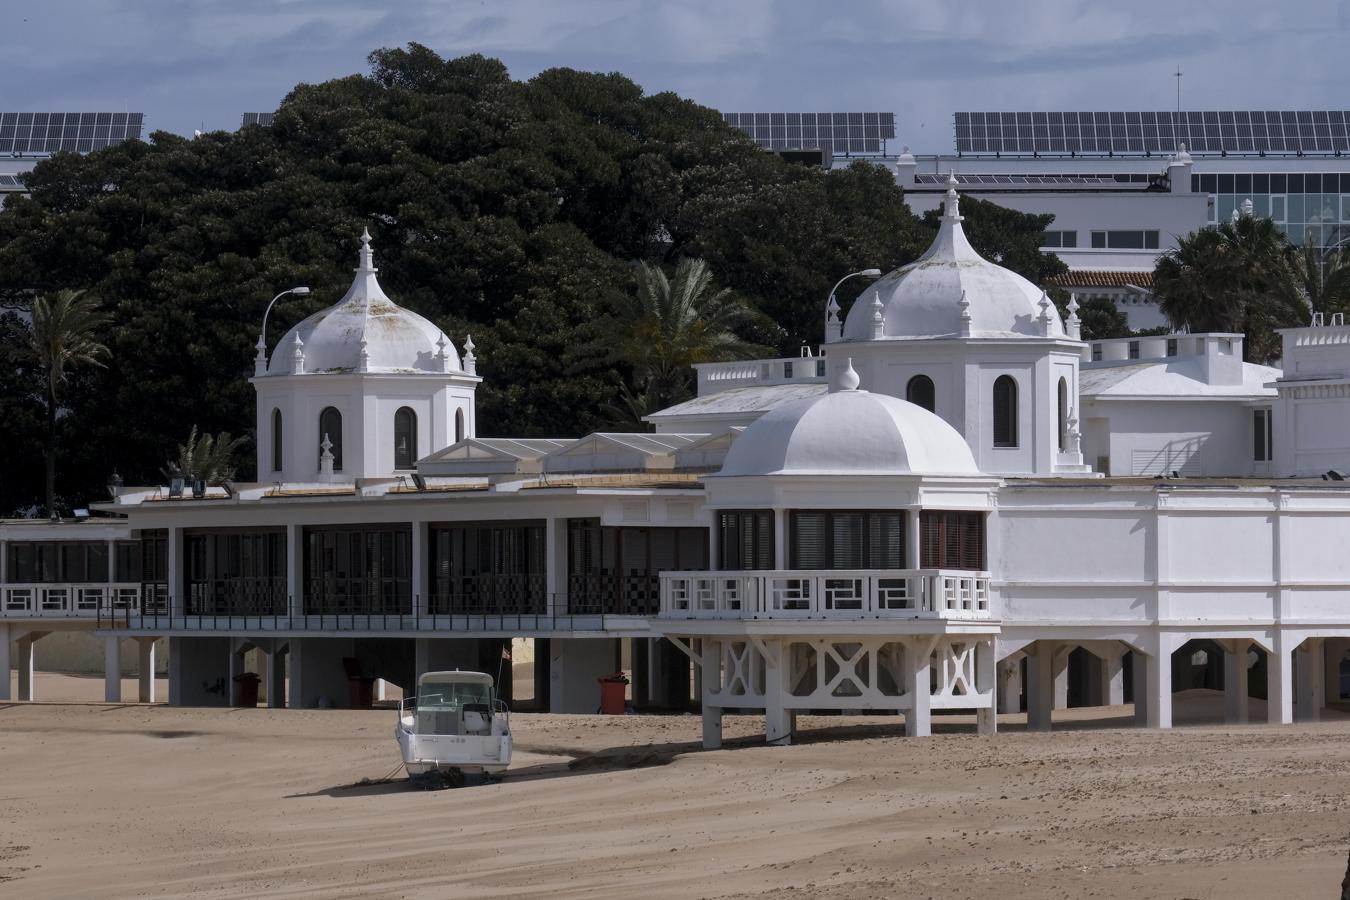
(132, 801)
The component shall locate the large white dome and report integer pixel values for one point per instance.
(393, 339)
(849, 432)
(924, 298)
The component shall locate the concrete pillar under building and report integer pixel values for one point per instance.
(778, 721)
(112, 669)
(276, 676)
(1309, 675)
(575, 667)
(712, 715)
(1280, 682)
(1040, 686)
(5, 664)
(986, 720)
(27, 682)
(1139, 688)
(1158, 683)
(1061, 674)
(1113, 677)
(1010, 684)
(918, 684)
(1235, 686)
(146, 669)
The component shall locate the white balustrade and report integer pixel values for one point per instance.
(826, 594)
(63, 600)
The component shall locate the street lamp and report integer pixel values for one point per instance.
(832, 308)
(260, 365)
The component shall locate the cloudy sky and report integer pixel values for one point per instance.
(201, 63)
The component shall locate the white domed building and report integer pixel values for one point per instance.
(978, 345)
(362, 389)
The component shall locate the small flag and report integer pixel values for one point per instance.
(506, 652)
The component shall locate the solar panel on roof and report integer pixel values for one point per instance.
(45, 133)
(840, 133)
(1129, 132)
(257, 118)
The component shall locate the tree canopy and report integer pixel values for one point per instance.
(511, 210)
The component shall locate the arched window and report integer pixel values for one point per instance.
(1063, 414)
(276, 440)
(405, 438)
(1005, 411)
(459, 425)
(330, 424)
(920, 392)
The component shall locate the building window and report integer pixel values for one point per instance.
(330, 426)
(276, 440)
(1133, 349)
(951, 540)
(1262, 435)
(459, 425)
(1171, 346)
(1059, 239)
(51, 562)
(1096, 352)
(787, 370)
(1063, 414)
(494, 567)
(820, 368)
(612, 569)
(358, 569)
(846, 540)
(920, 392)
(1125, 239)
(1005, 412)
(745, 540)
(405, 438)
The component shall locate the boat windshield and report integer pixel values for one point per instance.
(453, 695)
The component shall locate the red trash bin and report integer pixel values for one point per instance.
(614, 694)
(246, 690)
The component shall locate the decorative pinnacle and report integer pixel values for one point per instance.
(848, 379)
(367, 255)
(953, 210)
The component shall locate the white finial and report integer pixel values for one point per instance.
(964, 306)
(952, 212)
(363, 358)
(1074, 323)
(442, 358)
(326, 458)
(1044, 317)
(260, 361)
(298, 357)
(470, 361)
(834, 328)
(878, 315)
(367, 255)
(846, 379)
(1073, 442)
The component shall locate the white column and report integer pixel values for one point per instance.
(276, 676)
(777, 668)
(295, 570)
(712, 715)
(555, 565)
(1040, 686)
(780, 538)
(918, 675)
(1280, 682)
(145, 670)
(174, 572)
(1010, 685)
(1158, 682)
(421, 567)
(986, 679)
(1139, 682)
(4, 653)
(913, 544)
(1235, 687)
(25, 665)
(1062, 676)
(112, 669)
(1308, 681)
(1113, 677)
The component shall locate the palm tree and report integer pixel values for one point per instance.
(671, 324)
(1236, 277)
(62, 338)
(208, 458)
(1321, 279)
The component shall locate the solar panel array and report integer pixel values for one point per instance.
(1025, 133)
(257, 118)
(9, 183)
(81, 132)
(841, 133)
(980, 179)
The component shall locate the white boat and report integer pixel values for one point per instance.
(455, 726)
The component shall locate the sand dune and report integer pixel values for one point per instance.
(131, 801)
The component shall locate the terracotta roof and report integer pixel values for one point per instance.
(1104, 278)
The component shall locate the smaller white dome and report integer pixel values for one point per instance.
(365, 322)
(849, 432)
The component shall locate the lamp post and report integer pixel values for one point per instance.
(260, 364)
(833, 325)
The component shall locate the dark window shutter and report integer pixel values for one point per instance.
(1005, 412)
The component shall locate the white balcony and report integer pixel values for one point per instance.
(826, 594)
(30, 601)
